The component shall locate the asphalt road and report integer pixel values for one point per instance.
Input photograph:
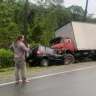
(78, 82)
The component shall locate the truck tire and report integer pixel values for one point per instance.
(69, 59)
(44, 62)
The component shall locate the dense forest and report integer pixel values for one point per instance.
(38, 22)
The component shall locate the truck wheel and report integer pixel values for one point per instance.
(44, 62)
(69, 59)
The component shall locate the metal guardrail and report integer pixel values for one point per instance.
(6, 62)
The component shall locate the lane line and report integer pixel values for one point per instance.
(50, 75)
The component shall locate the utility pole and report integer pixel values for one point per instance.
(86, 10)
(25, 22)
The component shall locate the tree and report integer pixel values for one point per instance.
(8, 28)
(77, 12)
(49, 2)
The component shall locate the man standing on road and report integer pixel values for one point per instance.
(20, 50)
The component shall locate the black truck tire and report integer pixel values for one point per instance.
(69, 59)
(44, 62)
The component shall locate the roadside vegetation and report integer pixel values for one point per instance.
(43, 19)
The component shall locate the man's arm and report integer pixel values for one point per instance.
(24, 47)
(12, 46)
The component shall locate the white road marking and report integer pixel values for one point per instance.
(49, 75)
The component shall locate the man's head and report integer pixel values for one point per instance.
(20, 38)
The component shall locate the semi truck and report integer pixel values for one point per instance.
(77, 40)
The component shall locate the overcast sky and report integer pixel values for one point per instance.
(91, 6)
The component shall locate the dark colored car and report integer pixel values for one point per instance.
(44, 56)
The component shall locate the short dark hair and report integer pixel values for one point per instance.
(19, 37)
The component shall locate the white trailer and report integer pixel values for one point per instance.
(83, 36)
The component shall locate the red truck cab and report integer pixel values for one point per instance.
(63, 44)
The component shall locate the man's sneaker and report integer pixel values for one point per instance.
(17, 82)
(25, 81)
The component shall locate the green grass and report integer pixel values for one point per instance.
(9, 72)
(6, 72)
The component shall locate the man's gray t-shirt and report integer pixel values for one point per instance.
(19, 50)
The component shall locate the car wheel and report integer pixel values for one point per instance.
(69, 59)
(44, 62)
